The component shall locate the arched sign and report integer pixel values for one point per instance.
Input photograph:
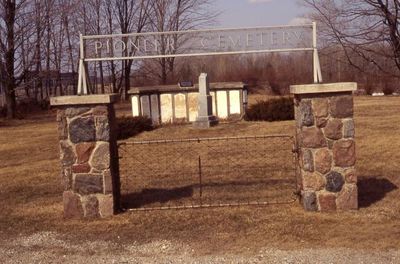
(231, 41)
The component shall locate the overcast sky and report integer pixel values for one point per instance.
(242, 13)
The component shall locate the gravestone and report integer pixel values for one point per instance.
(205, 117)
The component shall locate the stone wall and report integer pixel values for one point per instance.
(325, 134)
(89, 159)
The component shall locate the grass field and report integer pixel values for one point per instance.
(31, 200)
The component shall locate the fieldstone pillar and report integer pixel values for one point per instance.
(205, 117)
(326, 145)
(88, 155)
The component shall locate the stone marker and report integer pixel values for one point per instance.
(193, 105)
(167, 110)
(180, 108)
(234, 103)
(135, 106)
(205, 117)
(145, 105)
(155, 111)
(326, 146)
(88, 155)
(222, 104)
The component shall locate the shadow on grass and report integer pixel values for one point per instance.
(29, 118)
(372, 190)
(158, 195)
(149, 196)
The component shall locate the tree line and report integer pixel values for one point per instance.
(361, 34)
(39, 40)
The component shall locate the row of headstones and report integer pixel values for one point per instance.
(179, 107)
(197, 107)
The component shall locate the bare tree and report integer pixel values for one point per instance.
(39, 40)
(132, 17)
(16, 30)
(109, 28)
(38, 48)
(176, 15)
(96, 25)
(367, 31)
(71, 50)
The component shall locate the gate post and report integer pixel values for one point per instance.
(88, 155)
(326, 146)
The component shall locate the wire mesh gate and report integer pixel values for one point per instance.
(208, 172)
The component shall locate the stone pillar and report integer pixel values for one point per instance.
(326, 145)
(205, 117)
(88, 155)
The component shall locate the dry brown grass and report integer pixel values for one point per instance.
(30, 194)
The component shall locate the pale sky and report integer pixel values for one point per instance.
(244, 13)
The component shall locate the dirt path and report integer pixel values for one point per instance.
(48, 247)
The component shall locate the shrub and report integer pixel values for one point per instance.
(369, 88)
(276, 88)
(278, 109)
(44, 104)
(131, 126)
(388, 90)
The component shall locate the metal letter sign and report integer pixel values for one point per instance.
(139, 46)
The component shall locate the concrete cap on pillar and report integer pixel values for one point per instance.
(323, 88)
(84, 99)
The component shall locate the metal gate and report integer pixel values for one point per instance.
(207, 172)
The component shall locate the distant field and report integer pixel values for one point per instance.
(31, 200)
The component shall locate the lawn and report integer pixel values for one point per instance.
(31, 193)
